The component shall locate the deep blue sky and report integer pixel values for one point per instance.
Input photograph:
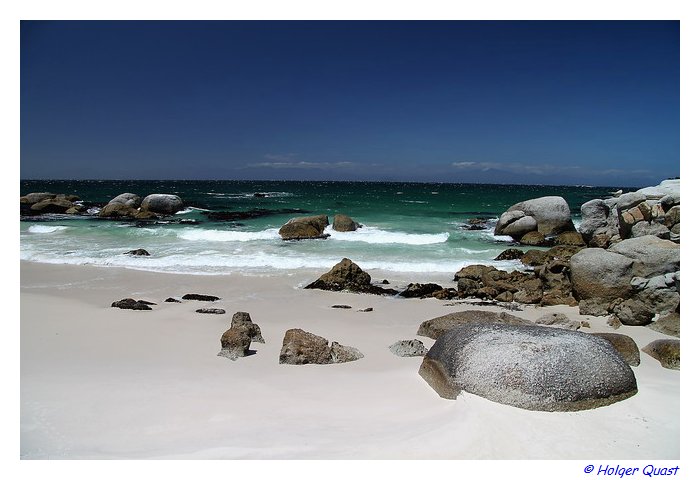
(564, 102)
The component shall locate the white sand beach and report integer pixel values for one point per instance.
(103, 383)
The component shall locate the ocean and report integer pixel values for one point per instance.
(411, 230)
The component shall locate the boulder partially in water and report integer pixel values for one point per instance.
(301, 228)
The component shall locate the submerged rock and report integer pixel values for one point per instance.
(530, 367)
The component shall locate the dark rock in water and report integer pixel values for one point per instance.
(259, 195)
(138, 252)
(530, 367)
(624, 345)
(301, 228)
(510, 254)
(666, 351)
(420, 290)
(172, 300)
(301, 348)
(474, 227)
(384, 282)
(243, 318)
(131, 304)
(188, 221)
(343, 223)
(435, 327)
(254, 213)
(215, 311)
(476, 224)
(58, 204)
(408, 348)
(346, 275)
(669, 324)
(197, 296)
(341, 306)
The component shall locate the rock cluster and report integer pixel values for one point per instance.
(648, 211)
(235, 342)
(301, 348)
(546, 215)
(45, 202)
(130, 205)
(530, 367)
(131, 304)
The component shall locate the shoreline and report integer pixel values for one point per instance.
(99, 382)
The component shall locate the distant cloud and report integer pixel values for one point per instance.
(302, 165)
(280, 157)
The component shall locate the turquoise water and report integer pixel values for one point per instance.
(409, 228)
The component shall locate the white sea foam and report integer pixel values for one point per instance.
(200, 235)
(46, 228)
(377, 236)
(190, 210)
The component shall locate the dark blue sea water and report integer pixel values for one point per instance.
(410, 229)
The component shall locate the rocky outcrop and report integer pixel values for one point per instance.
(346, 275)
(510, 254)
(301, 228)
(547, 215)
(570, 238)
(647, 211)
(161, 203)
(408, 348)
(666, 351)
(530, 367)
(435, 327)
(301, 348)
(139, 252)
(534, 239)
(343, 223)
(131, 304)
(624, 345)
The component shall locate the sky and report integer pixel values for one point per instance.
(558, 102)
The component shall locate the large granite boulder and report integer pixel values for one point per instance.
(129, 199)
(530, 367)
(435, 327)
(243, 318)
(669, 324)
(36, 197)
(57, 204)
(601, 274)
(301, 348)
(343, 223)
(162, 203)
(118, 210)
(300, 228)
(347, 275)
(235, 342)
(653, 255)
(551, 216)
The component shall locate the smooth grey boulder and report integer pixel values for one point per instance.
(653, 255)
(642, 229)
(670, 187)
(530, 367)
(629, 200)
(520, 227)
(129, 199)
(435, 327)
(162, 203)
(552, 214)
(601, 274)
